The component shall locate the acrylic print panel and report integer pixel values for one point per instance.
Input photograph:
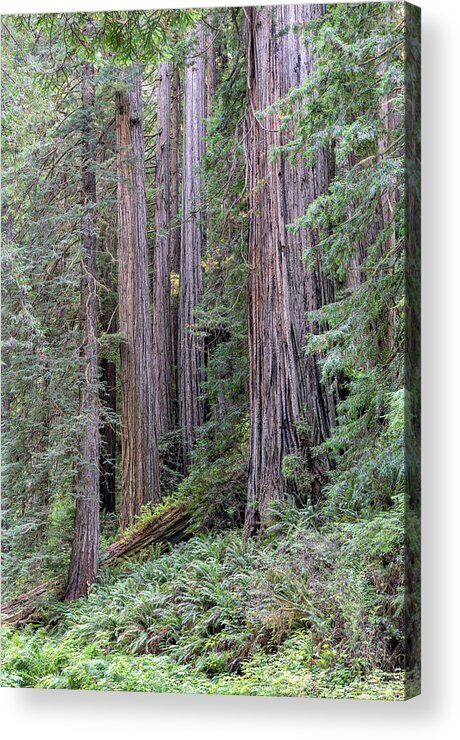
(210, 409)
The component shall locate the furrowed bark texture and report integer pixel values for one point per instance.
(175, 172)
(162, 322)
(5, 402)
(108, 370)
(175, 232)
(107, 474)
(284, 385)
(84, 559)
(140, 464)
(190, 346)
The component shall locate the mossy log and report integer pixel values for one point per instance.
(167, 528)
(25, 608)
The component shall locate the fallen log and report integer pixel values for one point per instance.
(169, 527)
(24, 608)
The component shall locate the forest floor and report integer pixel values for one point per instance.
(296, 615)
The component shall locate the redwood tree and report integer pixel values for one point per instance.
(291, 411)
(107, 475)
(162, 320)
(175, 229)
(190, 344)
(140, 465)
(84, 560)
(108, 325)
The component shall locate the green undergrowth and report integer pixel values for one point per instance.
(308, 611)
(36, 660)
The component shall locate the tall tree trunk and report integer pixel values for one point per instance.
(285, 386)
(162, 324)
(309, 290)
(190, 345)
(5, 396)
(175, 231)
(107, 466)
(211, 82)
(108, 370)
(140, 464)
(84, 560)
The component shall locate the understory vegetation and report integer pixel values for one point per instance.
(311, 611)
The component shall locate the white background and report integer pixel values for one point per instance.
(37, 714)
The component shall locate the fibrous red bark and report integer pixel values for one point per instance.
(140, 463)
(162, 321)
(285, 385)
(175, 230)
(84, 559)
(190, 343)
(107, 475)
